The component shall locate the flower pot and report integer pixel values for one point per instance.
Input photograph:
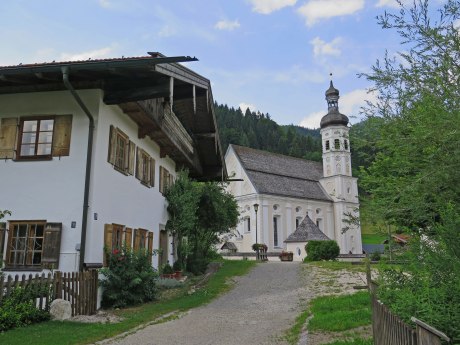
(178, 275)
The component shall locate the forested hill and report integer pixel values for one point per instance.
(259, 131)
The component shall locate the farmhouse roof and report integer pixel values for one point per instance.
(273, 173)
(307, 231)
(140, 86)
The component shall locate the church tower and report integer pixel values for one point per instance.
(337, 179)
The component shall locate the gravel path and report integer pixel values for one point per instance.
(263, 304)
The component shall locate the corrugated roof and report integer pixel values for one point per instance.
(273, 173)
(307, 231)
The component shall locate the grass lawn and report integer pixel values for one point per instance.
(373, 238)
(340, 313)
(55, 332)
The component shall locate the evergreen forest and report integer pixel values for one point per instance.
(259, 131)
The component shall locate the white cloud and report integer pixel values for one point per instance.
(105, 3)
(349, 104)
(321, 47)
(93, 54)
(227, 25)
(269, 6)
(243, 106)
(314, 10)
(391, 3)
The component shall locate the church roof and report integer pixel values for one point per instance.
(273, 173)
(307, 231)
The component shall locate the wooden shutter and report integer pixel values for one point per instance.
(136, 240)
(108, 234)
(129, 238)
(152, 172)
(150, 245)
(52, 244)
(132, 155)
(161, 184)
(112, 145)
(138, 164)
(9, 244)
(8, 133)
(61, 135)
(127, 152)
(2, 239)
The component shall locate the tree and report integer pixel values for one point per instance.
(413, 177)
(415, 171)
(199, 213)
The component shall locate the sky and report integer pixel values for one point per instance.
(273, 56)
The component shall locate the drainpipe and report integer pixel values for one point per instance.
(65, 78)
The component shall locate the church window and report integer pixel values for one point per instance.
(345, 143)
(275, 231)
(327, 145)
(318, 211)
(337, 144)
(247, 224)
(298, 208)
(298, 220)
(319, 223)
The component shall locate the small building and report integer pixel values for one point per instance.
(306, 231)
(229, 247)
(86, 151)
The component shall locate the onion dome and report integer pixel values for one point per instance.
(333, 117)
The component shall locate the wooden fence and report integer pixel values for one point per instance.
(389, 329)
(79, 288)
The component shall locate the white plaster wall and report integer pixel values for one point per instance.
(119, 198)
(49, 190)
(294, 247)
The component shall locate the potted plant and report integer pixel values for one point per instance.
(167, 271)
(177, 268)
(286, 256)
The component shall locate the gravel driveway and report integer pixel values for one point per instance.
(262, 305)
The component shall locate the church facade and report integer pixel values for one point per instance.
(275, 192)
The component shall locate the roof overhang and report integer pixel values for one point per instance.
(182, 121)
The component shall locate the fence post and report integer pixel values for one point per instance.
(428, 335)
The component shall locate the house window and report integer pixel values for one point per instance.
(166, 179)
(145, 169)
(36, 137)
(298, 220)
(275, 231)
(328, 147)
(121, 151)
(247, 225)
(33, 243)
(140, 239)
(319, 223)
(337, 144)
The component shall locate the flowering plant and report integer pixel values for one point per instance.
(259, 246)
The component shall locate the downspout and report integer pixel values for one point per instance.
(65, 78)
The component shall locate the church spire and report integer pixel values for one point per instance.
(332, 97)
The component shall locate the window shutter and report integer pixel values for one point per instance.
(129, 238)
(137, 240)
(2, 238)
(132, 155)
(150, 245)
(108, 232)
(152, 172)
(138, 164)
(112, 145)
(9, 244)
(8, 132)
(61, 135)
(161, 184)
(52, 244)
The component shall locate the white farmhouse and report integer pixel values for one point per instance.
(86, 150)
(287, 189)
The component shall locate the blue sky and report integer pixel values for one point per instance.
(272, 55)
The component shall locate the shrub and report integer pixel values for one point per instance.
(375, 256)
(18, 309)
(197, 264)
(261, 246)
(167, 269)
(129, 279)
(321, 250)
(177, 266)
(168, 283)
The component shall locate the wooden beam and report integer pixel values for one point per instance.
(137, 94)
(194, 99)
(171, 92)
(12, 79)
(182, 73)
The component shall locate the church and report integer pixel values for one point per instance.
(281, 196)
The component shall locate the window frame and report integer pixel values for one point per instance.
(37, 118)
(275, 231)
(119, 135)
(336, 144)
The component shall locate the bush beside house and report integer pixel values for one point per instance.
(322, 250)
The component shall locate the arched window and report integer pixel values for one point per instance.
(345, 143)
(327, 145)
(337, 144)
